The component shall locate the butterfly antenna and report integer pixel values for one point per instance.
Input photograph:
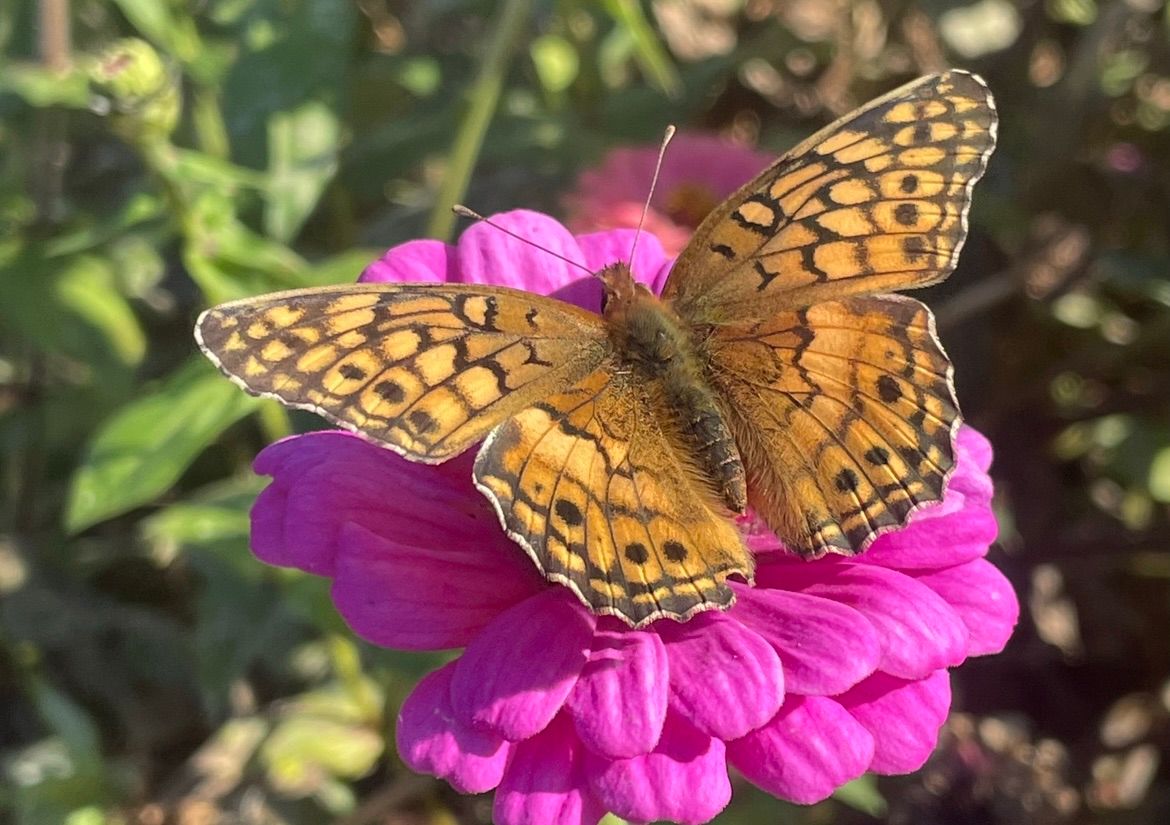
(670, 130)
(463, 212)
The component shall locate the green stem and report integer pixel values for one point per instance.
(274, 421)
(210, 129)
(485, 96)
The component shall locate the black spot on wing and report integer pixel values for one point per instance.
(637, 553)
(391, 391)
(569, 512)
(888, 389)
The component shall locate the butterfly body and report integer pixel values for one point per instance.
(775, 371)
(653, 343)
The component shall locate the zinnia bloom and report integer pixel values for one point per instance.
(698, 172)
(821, 671)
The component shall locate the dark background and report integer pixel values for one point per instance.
(152, 671)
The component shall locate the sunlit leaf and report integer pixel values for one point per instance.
(228, 260)
(305, 748)
(556, 62)
(214, 513)
(40, 86)
(70, 306)
(647, 47)
(139, 208)
(1159, 483)
(420, 75)
(302, 156)
(1077, 12)
(862, 794)
(140, 452)
(162, 23)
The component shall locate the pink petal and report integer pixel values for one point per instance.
(825, 647)
(604, 248)
(324, 479)
(954, 532)
(515, 676)
(488, 256)
(619, 702)
(984, 600)
(973, 456)
(810, 749)
(724, 678)
(918, 631)
(419, 598)
(975, 448)
(903, 717)
(432, 741)
(414, 261)
(544, 782)
(684, 779)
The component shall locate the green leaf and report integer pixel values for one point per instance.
(228, 260)
(290, 52)
(1076, 12)
(39, 86)
(648, 49)
(1160, 476)
(138, 209)
(158, 21)
(68, 721)
(305, 749)
(215, 513)
(342, 268)
(71, 307)
(146, 446)
(87, 291)
(302, 156)
(556, 62)
(420, 76)
(862, 794)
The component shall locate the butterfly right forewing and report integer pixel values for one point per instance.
(874, 202)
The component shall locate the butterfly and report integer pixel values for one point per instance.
(776, 371)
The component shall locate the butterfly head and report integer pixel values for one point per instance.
(620, 288)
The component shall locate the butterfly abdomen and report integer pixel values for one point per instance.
(656, 345)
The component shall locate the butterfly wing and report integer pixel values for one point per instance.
(875, 202)
(593, 484)
(845, 415)
(426, 370)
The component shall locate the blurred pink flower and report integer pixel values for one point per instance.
(698, 172)
(820, 672)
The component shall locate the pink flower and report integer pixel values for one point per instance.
(820, 672)
(698, 172)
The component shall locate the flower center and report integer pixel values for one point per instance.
(688, 203)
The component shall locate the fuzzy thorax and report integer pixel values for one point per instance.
(653, 342)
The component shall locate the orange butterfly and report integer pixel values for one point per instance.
(772, 372)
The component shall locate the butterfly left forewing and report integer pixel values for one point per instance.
(845, 415)
(874, 202)
(425, 369)
(594, 484)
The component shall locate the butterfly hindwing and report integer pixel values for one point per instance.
(874, 202)
(845, 414)
(426, 369)
(592, 482)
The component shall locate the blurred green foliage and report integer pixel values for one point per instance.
(157, 156)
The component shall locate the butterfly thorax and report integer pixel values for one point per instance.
(660, 349)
